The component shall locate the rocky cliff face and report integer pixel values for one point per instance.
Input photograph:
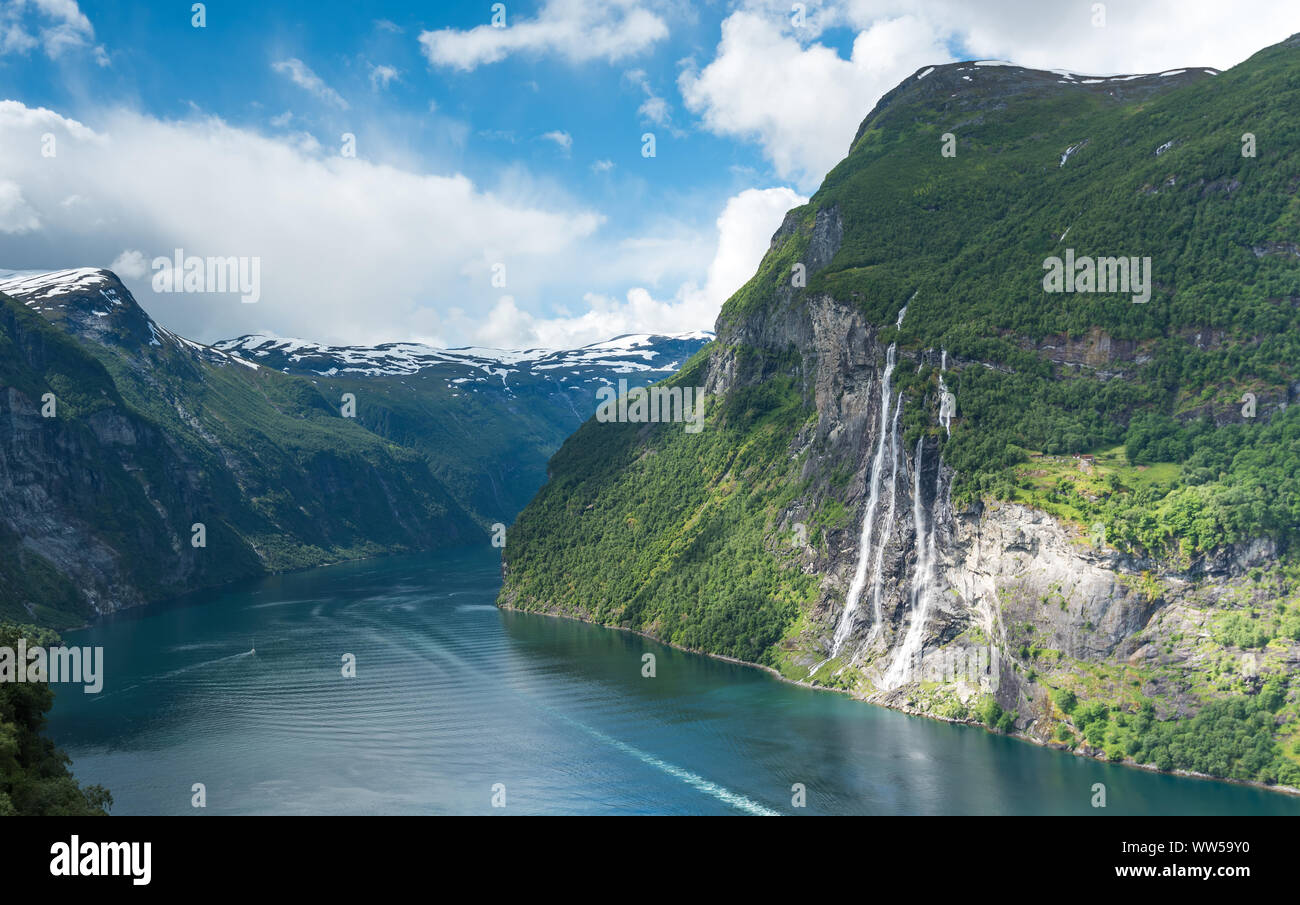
(952, 601)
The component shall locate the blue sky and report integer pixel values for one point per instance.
(484, 120)
(518, 147)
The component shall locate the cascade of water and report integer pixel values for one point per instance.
(947, 404)
(878, 575)
(845, 626)
(925, 559)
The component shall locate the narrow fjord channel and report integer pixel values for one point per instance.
(452, 696)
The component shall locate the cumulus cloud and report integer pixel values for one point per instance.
(351, 251)
(654, 109)
(16, 215)
(130, 264)
(13, 39)
(801, 101)
(802, 104)
(58, 27)
(381, 75)
(563, 140)
(574, 30)
(743, 232)
(301, 75)
(1151, 36)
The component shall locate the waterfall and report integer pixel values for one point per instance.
(947, 402)
(845, 626)
(925, 560)
(878, 575)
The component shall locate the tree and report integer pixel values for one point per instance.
(34, 776)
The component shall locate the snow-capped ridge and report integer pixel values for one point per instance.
(622, 354)
(93, 303)
(32, 287)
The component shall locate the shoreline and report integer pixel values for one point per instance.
(1017, 735)
(183, 598)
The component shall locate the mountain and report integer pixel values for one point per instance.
(486, 419)
(942, 476)
(151, 434)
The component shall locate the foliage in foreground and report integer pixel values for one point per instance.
(34, 775)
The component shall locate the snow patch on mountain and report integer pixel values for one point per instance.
(93, 303)
(71, 296)
(623, 354)
(32, 287)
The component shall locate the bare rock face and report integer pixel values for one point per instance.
(827, 234)
(1017, 564)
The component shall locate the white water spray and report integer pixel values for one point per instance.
(878, 574)
(845, 626)
(947, 402)
(921, 583)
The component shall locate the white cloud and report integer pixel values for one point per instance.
(654, 108)
(381, 75)
(743, 232)
(57, 26)
(563, 140)
(130, 264)
(1152, 36)
(802, 102)
(302, 76)
(13, 39)
(351, 251)
(602, 166)
(802, 105)
(16, 215)
(574, 30)
(354, 251)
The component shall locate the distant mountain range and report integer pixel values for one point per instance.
(149, 434)
(628, 354)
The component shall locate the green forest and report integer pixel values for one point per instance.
(34, 775)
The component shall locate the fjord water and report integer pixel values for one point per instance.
(452, 696)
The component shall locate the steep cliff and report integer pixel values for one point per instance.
(930, 479)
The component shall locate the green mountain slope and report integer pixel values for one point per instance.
(1107, 523)
(486, 420)
(151, 435)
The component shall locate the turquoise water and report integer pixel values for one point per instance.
(452, 697)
